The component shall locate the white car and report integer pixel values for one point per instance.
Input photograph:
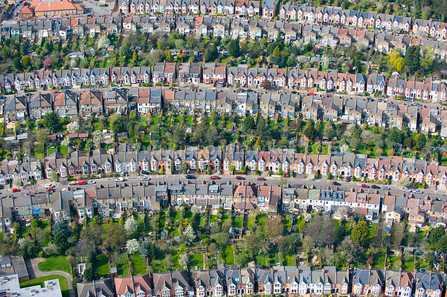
(119, 179)
(407, 190)
(49, 186)
(90, 182)
(418, 191)
(145, 178)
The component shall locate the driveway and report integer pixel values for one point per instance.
(34, 272)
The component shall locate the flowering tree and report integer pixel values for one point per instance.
(132, 246)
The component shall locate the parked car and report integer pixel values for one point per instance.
(240, 178)
(418, 191)
(287, 174)
(144, 172)
(119, 179)
(365, 186)
(407, 190)
(145, 178)
(386, 188)
(49, 186)
(375, 187)
(336, 183)
(15, 190)
(189, 176)
(49, 190)
(82, 182)
(91, 182)
(261, 178)
(215, 177)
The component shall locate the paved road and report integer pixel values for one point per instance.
(171, 179)
(34, 272)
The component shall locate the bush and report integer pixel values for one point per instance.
(329, 175)
(117, 174)
(317, 175)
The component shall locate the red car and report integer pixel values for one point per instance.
(311, 93)
(261, 178)
(49, 190)
(82, 182)
(364, 186)
(15, 190)
(287, 174)
(240, 178)
(214, 177)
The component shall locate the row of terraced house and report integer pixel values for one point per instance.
(278, 280)
(194, 73)
(127, 160)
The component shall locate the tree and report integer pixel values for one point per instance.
(310, 131)
(54, 177)
(233, 48)
(274, 227)
(350, 249)
(17, 63)
(395, 135)
(147, 250)
(51, 122)
(329, 131)
(266, 84)
(436, 234)
(241, 259)
(42, 136)
(60, 233)
(412, 59)
(131, 225)
(185, 168)
(188, 234)
(405, 182)
(221, 239)
(184, 260)
(26, 61)
(73, 127)
(421, 140)
(360, 233)
(98, 138)
(104, 42)
(132, 246)
(308, 244)
(396, 60)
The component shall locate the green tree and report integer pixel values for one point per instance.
(185, 168)
(276, 52)
(16, 62)
(233, 48)
(360, 233)
(221, 239)
(421, 140)
(396, 60)
(395, 135)
(26, 61)
(436, 234)
(310, 132)
(412, 59)
(51, 122)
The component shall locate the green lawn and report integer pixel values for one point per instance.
(261, 219)
(197, 260)
(55, 263)
(138, 264)
(228, 254)
(64, 150)
(123, 265)
(408, 265)
(39, 151)
(251, 221)
(40, 281)
(238, 221)
(102, 264)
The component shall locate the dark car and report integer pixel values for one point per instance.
(189, 176)
(144, 172)
(336, 183)
(375, 187)
(240, 178)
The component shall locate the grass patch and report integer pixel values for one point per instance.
(40, 282)
(238, 221)
(123, 265)
(55, 263)
(102, 264)
(228, 254)
(138, 264)
(197, 260)
(39, 151)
